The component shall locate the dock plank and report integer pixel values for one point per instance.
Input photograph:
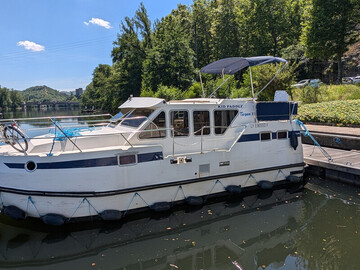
(344, 161)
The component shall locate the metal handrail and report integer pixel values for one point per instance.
(127, 139)
(55, 117)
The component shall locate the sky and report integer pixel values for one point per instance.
(58, 43)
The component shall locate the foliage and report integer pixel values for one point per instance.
(341, 113)
(162, 58)
(331, 29)
(5, 101)
(263, 74)
(170, 61)
(327, 93)
(43, 94)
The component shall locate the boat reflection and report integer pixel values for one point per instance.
(221, 235)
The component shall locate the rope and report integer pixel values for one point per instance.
(306, 133)
(250, 176)
(33, 203)
(82, 201)
(135, 194)
(217, 181)
(179, 188)
(279, 171)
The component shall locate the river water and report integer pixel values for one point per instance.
(316, 227)
(312, 228)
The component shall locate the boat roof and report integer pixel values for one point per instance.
(147, 102)
(232, 65)
(141, 102)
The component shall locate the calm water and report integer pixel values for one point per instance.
(314, 228)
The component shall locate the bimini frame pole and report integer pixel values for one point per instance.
(252, 85)
(202, 86)
(277, 73)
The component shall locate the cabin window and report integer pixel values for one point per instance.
(201, 119)
(282, 134)
(266, 136)
(136, 117)
(156, 128)
(126, 160)
(223, 120)
(180, 123)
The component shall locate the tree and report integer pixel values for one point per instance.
(202, 39)
(225, 30)
(331, 29)
(170, 61)
(16, 99)
(5, 101)
(267, 26)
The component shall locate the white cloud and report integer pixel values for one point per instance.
(32, 46)
(99, 22)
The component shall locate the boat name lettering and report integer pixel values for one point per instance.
(230, 106)
(258, 125)
(244, 114)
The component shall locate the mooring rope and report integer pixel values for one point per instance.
(135, 194)
(217, 181)
(306, 133)
(179, 188)
(33, 203)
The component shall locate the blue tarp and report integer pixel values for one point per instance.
(234, 64)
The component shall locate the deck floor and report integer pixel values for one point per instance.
(342, 160)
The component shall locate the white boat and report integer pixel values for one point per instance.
(153, 154)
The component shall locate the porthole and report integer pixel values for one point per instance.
(30, 166)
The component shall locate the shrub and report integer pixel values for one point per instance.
(341, 113)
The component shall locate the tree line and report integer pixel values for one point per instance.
(162, 58)
(11, 99)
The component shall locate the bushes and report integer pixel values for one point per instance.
(341, 113)
(327, 93)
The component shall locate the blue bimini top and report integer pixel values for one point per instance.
(234, 64)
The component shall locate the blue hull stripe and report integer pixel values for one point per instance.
(87, 163)
(256, 136)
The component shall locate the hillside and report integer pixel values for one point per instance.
(43, 94)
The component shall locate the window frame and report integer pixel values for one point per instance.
(265, 132)
(128, 164)
(151, 122)
(282, 131)
(193, 123)
(232, 121)
(171, 126)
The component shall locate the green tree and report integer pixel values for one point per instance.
(202, 41)
(225, 30)
(331, 28)
(16, 99)
(170, 61)
(267, 26)
(5, 100)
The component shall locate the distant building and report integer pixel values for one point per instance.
(79, 92)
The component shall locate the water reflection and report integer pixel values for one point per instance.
(301, 229)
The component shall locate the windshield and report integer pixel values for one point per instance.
(136, 117)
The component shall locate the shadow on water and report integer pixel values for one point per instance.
(285, 229)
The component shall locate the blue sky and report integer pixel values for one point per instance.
(59, 43)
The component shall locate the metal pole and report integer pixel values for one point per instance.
(252, 85)
(65, 135)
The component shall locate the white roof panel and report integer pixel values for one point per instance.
(141, 102)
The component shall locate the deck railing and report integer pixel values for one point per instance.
(94, 121)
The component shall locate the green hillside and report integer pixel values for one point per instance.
(43, 94)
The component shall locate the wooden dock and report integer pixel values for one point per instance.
(344, 166)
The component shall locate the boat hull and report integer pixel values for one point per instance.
(72, 205)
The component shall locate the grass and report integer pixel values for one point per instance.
(340, 113)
